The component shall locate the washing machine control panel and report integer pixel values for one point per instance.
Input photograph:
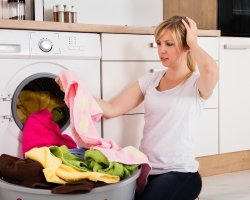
(45, 45)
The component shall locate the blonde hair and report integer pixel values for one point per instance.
(176, 26)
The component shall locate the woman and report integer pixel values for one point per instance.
(174, 99)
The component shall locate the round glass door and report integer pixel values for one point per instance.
(36, 92)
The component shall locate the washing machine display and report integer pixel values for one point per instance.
(30, 60)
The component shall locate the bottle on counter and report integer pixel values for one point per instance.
(73, 13)
(60, 13)
(67, 14)
(16, 9)
(55, 13)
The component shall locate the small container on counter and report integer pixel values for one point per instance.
(55, 13)
(67, 14)
(16, 9)
(60, 13)
(73, 12)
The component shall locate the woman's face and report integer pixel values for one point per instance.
(168, 51)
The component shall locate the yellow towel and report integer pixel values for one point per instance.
(56, 172)
(29, 102)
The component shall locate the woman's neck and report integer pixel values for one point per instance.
(172, 78)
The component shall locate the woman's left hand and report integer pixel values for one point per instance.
(191, 36)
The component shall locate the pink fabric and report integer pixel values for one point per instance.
(39, 130)
(84, 110)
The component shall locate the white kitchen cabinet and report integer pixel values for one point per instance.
(125, 130)
(127, 47)
(234, 94)
(117, 77)
(127, 57)
(206, 133)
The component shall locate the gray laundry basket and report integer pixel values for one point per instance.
(124, 190)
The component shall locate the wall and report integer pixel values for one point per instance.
(112, 12)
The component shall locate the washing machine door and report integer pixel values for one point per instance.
(5, 111)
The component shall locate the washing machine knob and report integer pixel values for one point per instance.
(45, 45)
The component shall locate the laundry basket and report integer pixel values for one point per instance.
(124, 190)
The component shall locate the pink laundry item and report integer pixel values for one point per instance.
(84, 113)
(40, 130)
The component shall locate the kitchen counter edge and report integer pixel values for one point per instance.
(88, 28)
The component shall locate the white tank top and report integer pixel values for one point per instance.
(170, 120)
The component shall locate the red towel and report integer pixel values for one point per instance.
(39, 131)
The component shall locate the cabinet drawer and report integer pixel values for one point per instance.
(128, 47)
(210, 45)
(138, 47)
(206, 133)
(127, 130)
(119, 76)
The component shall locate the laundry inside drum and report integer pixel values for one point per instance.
(38, 94)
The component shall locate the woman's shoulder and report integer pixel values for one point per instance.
(150, 80)
(194, 76)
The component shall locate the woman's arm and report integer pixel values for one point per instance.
(209, 72)
(120, 105)
(123, 103)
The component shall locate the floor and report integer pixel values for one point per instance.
(230, 186)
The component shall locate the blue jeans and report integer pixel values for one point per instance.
(172, 186)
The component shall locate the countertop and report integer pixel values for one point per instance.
(90, 28)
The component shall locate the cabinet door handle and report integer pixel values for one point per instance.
(153, 44)
(155, 70)
(236, 46)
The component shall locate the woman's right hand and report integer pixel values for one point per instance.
(58, 81)
(191, 31)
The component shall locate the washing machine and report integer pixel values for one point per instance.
(31, 58)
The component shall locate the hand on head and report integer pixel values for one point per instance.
(58, 81)
(191, 36)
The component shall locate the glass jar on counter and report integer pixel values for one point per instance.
(16, 9)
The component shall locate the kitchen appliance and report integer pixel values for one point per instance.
(16, 9)
(234, 17)
(29, 57)
(28, 7)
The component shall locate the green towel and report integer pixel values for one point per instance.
(57, 114)
(98, 162)
(69, 159)
(94, 160)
